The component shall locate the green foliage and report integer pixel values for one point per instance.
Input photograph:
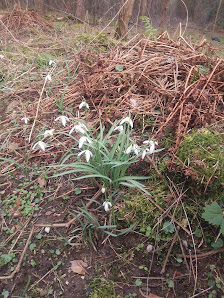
(203, 151)
(109, 161)
(168, 227)
(101, 288)
(25, 200)
(90, 226)
(42, 60)
(6, 258)
(150, 31)
(214, 215)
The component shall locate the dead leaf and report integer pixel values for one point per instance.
(148, 296)
(78, 266)
(42, 182)
(13, 146)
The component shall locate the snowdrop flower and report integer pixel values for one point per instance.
(48, 78)
(2, 56)
(48, 132)
(83, 104)
(51, 63)
(151, 149)
(128, 121)
(119, 127)
(79, 128)
(103, 189)
(87, 153)
(63, 119)
(41, 144)
(47, 229)
(133, 148)
(152, 145)
(107, 206)
(25, 119)
(83, 140)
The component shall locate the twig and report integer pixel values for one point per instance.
(202, 255)
(168, 253)
(38, 106)
(21, 258)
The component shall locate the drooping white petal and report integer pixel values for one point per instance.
(2, 56)
(103, 189)
(135, 149)
(79, 128)
(107, 206)
(129, 149)
(127, 120)
(25, 119)
(48, 132)
(41, 144)
(119, 127)
(83, 140)
(88, 155)
(63, 119)
(51, 63)
(83, 104)
(48, 78)
(144, 153)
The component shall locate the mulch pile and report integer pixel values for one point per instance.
(174, 83)
(18, 19)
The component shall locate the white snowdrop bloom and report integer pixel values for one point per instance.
(2, 56)
(51, 63)
(87, 153)
(63, 119)
(47, 229)
(129, 149)
(40, 144)
(25, 119)
(128, 121)
(83, 104)
(48, 132)
(133, 148)
(83, 140)
(119, 127)
(151, 149)
(103, 189)
(48, 78)
(107, 206)
(144, 153)
(79, 128)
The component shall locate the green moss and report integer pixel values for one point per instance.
(137, 208)
(203, 151)
(101, 288)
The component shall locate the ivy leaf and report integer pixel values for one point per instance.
(77, 191)
(119, 67)
(138, 282)
(218, 244)
(168, 227)
(213, 214)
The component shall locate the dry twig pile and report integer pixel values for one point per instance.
(173, 82)
(18, 19)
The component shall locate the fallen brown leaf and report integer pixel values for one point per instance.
(42, 182)
(78, 266)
